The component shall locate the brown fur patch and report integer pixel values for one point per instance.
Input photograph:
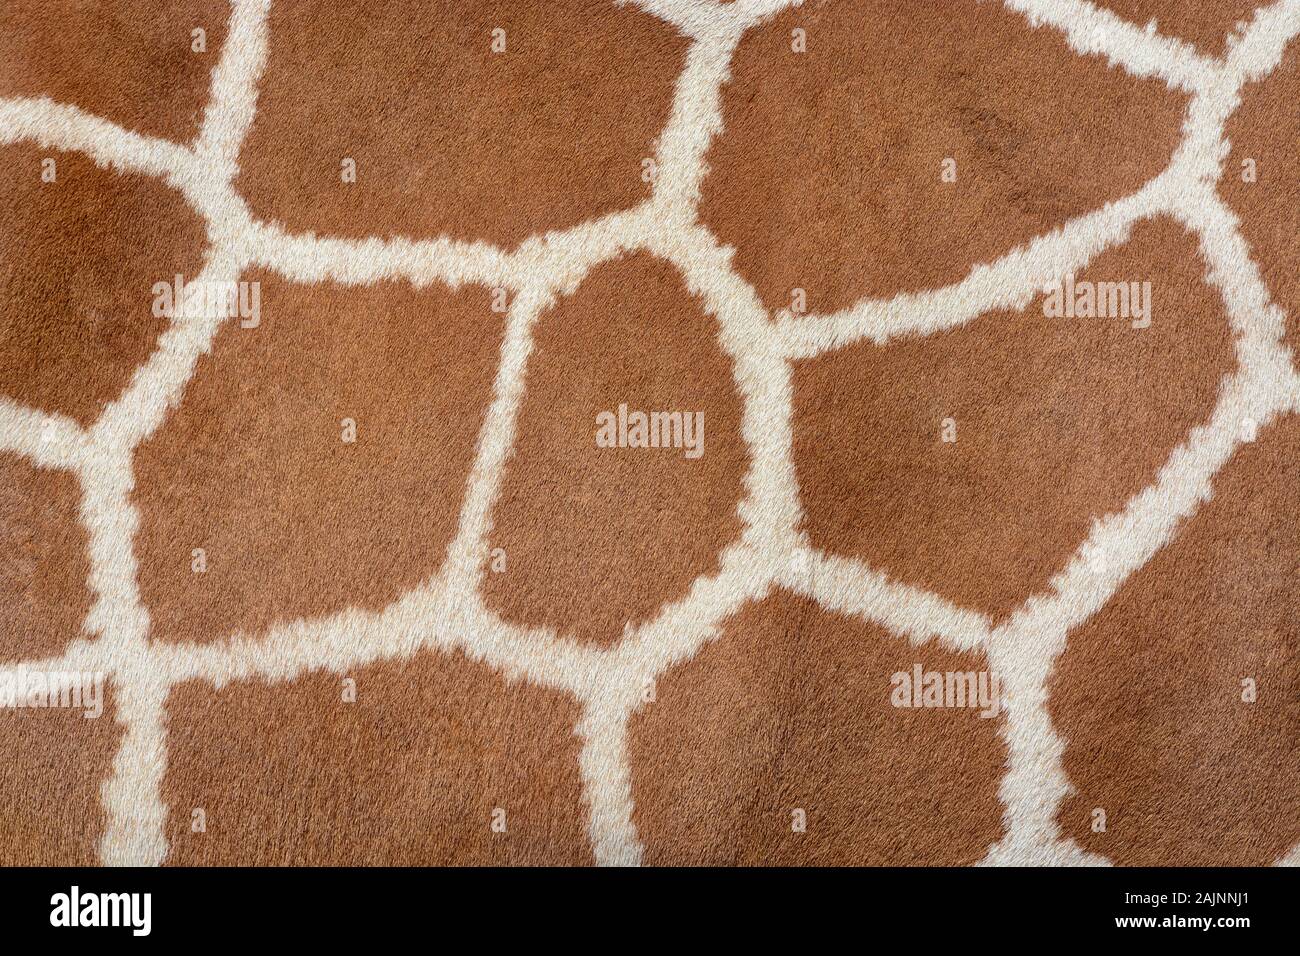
(1205, 23)
(447, 136)
(81, 257)
(410, 773)
(1148, 694)
(827, 178)
(790, 709)
(252, 467)
(44, 565)
(51, 764)
(129, 61)
(1058, 421)
(596, 537)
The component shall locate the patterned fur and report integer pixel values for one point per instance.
(362, 584)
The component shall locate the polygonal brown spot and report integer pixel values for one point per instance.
(256, 507)
(1206, 23)
(831, 175)
(597, 536)
(414, 770)
(1151, 695)
(45, 565)
(447, 136)
(791, 710)
(133, 62)
(52, 762)
(1262, 183)
(82, 255)
(973, 462)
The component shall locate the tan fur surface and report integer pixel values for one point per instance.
(367, 580)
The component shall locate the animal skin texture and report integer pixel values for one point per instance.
(340, 346)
